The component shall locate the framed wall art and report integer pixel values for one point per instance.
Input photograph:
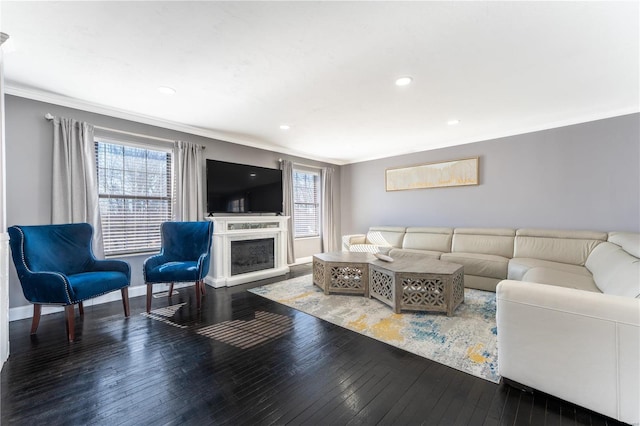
(433, 175)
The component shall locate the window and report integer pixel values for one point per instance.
(135, 190)
(306, 204)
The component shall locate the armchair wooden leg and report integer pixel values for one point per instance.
(170, 289)
(149, 295)
(198, 295)
(71, 326)
(81, 308)
(203, 287)
(37, 310)
(125, 300)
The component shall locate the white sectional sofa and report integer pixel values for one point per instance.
(568, 304)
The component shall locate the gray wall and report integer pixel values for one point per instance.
(584, 176)
(29, 143)
(307, 247)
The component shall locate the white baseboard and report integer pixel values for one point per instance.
(22, 312)
(303, 260)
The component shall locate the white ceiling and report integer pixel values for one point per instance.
(328, 68)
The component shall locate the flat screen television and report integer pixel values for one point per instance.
(241, 188)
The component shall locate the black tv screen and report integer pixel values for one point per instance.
(241, 188)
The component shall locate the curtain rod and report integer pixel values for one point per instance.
(50, 117)
(311, 166)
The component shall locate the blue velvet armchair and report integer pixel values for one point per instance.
(56, 266)
(184, 257)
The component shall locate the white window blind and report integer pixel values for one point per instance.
(306, 204)
(135, 190)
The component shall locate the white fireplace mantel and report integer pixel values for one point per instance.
(241, 228)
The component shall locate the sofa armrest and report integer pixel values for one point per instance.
(580, 346)
(348, 240)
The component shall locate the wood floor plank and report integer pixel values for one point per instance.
(538, 409)
(467, 413)
(525, 407)
(553, 415)
(427, 394)
(405, 398)
(510, 408)
(310, 398)
(350, 401)
(404, 371)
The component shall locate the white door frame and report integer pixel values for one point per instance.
(4, 237)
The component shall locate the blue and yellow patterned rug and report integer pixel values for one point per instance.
(466, 341)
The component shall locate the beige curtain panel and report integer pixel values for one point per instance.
(74, 195)
(190, 189)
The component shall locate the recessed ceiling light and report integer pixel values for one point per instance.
(453, 122)
(284, 127)
(403, 81)
(166, 90)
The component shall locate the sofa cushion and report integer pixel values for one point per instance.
(614, 270)
(429, 253)
(560, 278)
(432, 239)
(571, 247)
(629, 241)
(495, 241)
(519, 266)
(389, 236)
(484, 265)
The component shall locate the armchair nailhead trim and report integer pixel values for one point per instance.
(97, 295)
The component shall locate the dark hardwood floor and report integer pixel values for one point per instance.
(144, 370)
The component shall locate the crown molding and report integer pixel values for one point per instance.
(53, 98)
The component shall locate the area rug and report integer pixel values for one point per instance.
(465, 341)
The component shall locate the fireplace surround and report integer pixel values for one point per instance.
(247, 248)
